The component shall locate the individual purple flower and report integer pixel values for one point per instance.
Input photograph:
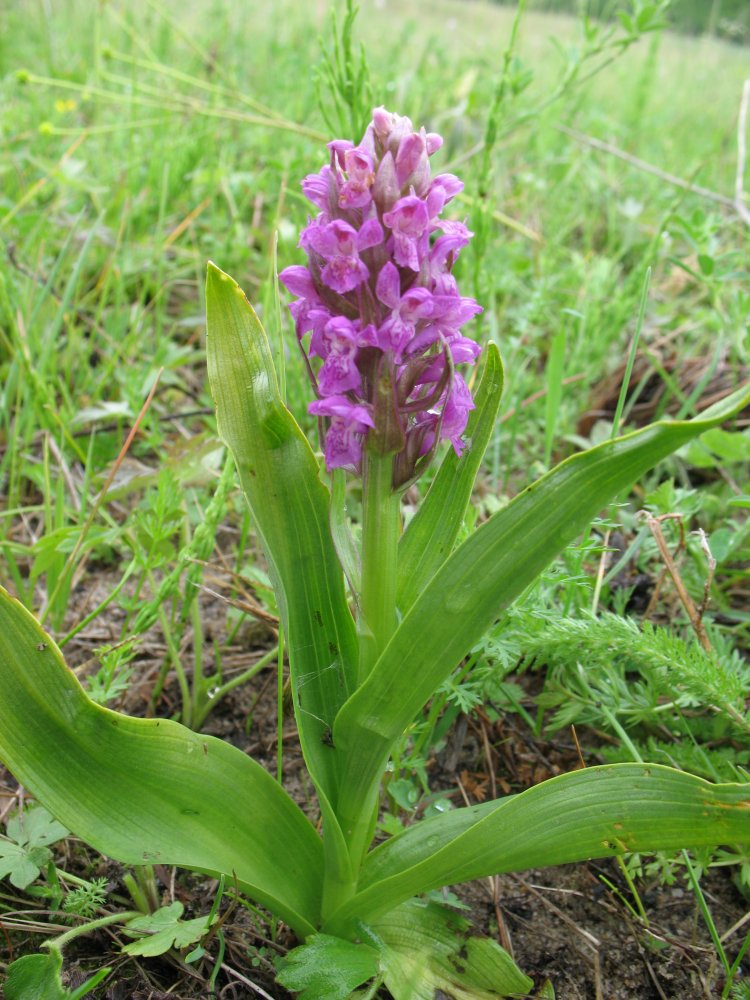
(321, 188)
(355, 192)
(342, 407)
(390, 129)
(412, 163)
(299, 281)
(385, 190)
(447, 247)
(339, 372)
(308, 310)
(408, 221)
(407, 310)
(380, 303)
(349, 422)
(339, 148)
(442, 190)
(340, 245)
(456, 413)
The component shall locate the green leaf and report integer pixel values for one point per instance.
(149, 790)
(432, 532)
(593, 813)
(290, 505)
(35, 827)
(425, 948)
(31, 832)
(341, 533)
(166, 929)
(36, 977)
(718, 448)
(22, 864)
(327, 967)
(478, 581)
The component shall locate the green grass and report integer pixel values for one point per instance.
(138, 140)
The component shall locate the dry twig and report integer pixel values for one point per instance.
(694, 614)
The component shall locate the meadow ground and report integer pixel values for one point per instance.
(137, 141)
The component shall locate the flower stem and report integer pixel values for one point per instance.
(380, 535)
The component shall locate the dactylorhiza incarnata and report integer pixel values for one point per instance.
(380, 302)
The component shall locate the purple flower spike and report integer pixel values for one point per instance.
(380, 302)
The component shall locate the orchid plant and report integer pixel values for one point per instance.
(371, 630)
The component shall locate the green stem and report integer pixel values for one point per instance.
(377, 621)
(380, 534)
(173, 654)
(214, 694)
(199, 686)
(703, 906)
(92, 925)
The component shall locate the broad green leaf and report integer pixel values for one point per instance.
(425, 948)
(36, 977)
(718, 448)
(35, 827)
(22, 864)
(149, 790)
(478, 581)
(327, 967)
(26, 853)
(593, 813)
(290, 507)
(432, 532)
(166, 929)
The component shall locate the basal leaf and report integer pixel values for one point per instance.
(149, 790)
(480, 579)
(290, 507)
(593, 813)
